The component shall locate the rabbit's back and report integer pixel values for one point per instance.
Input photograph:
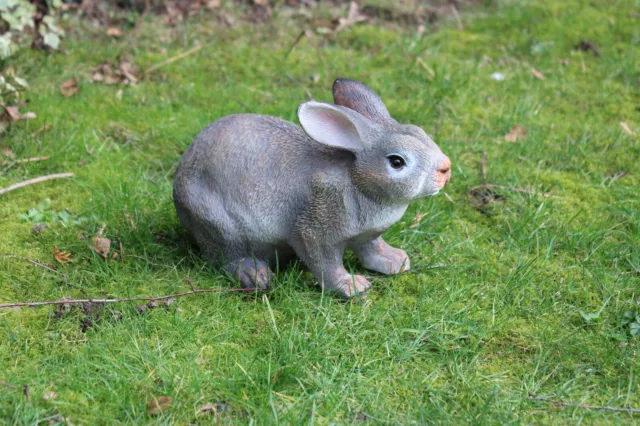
(248, 172)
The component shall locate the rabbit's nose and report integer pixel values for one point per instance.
(443, 174)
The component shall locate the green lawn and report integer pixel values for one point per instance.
(537, 294)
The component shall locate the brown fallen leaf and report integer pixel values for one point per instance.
(353, 17)
(517, 132)
(13, 112)
(207, 408)
(7, 152)
(626, 128)
(28, 116)
(102, 246)
(261, 2)
(218, 408)
(44, 128)
(61, 256)
(70, 87)
(158, 405)
(537, 74)
(50, 396)
(114, 32)
(418, 219)
(127, 71)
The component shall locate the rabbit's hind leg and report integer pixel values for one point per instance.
(251, 272)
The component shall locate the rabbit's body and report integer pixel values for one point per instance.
(258, 155)
(255, 191)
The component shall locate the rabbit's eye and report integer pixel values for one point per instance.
(396, 161)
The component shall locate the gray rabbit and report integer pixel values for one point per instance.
(256, 191)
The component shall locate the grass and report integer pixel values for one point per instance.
(533, 300)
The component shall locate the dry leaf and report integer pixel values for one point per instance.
(212, 4)
(158, 405)
(12, 112)
(44, 128)
(227, 19)
(61, 256)
(70, 87)
(626, 128)
(128, 71)
(207, 408)
(28, 116)
(50, 396)
(516, 133)
(418, 219)
(102, 246)
(353, 17)
(537, 74)
(7, 152)
(114, 32)
(261, 2)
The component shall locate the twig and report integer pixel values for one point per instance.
(188, 280)
(510, 188)
(587, 407)
(42, 265)
(440, 265)
(295, 80)
(36, 180)
(484, 166)
(173, 59)
(24, 160)
(454, 10)
(128, 299)
(147, 7)
(294, 44)
(8, 385)
(317, 49)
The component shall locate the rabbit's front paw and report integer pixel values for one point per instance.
(351, 285)
(388, 260)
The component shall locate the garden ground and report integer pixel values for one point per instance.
(535, 296)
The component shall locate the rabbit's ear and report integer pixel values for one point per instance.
(356, 96)
(335, 126)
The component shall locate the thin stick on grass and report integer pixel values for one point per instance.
(455, 12)
(8, 385)
(440, 265)
(43, 266)
(437, 249)
(317, 49)
(147, 8)
(128, 299)
(587, 407)
(484, 166)
(24, 160)
(38, 264)
(173, 59)
(34, 181)
(294, 44)
(511, 188)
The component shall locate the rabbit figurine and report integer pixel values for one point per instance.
(256, 191)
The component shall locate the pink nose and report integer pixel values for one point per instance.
(443, 174)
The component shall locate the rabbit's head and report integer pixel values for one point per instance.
(393, 163)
